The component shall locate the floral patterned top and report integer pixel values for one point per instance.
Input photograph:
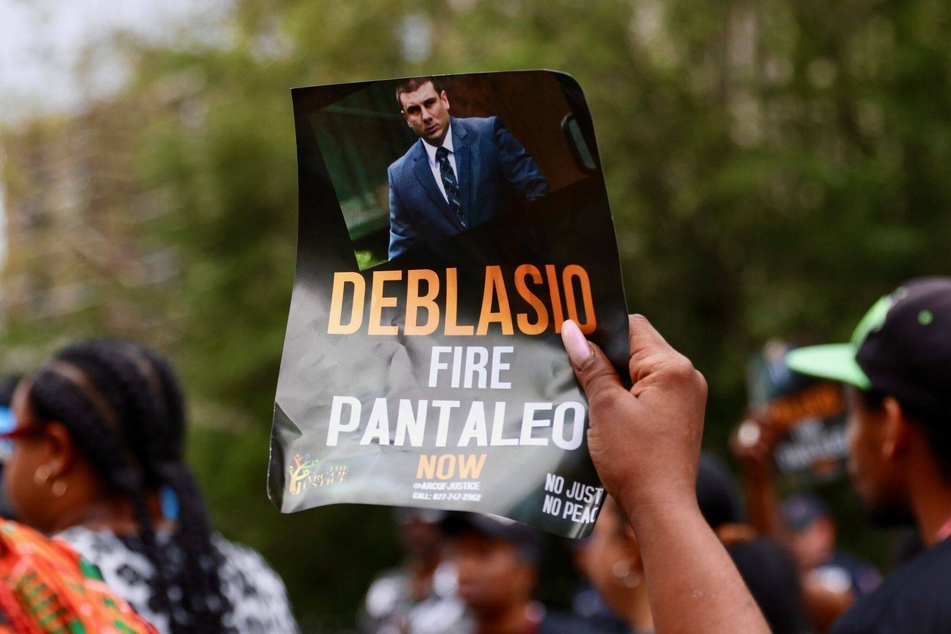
(257, 595)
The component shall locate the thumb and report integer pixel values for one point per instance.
(592, 368)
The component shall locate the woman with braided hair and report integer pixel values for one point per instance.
(98, 461)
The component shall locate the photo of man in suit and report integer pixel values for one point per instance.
(461, 173)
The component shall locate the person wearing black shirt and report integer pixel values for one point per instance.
(898, 369)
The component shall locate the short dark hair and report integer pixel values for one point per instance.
(526, 541)
(717, 493)
(412, 84)
(935, 425)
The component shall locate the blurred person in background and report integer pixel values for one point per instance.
(617, 571)
(8, 385)
(46, 587)
(419, 597)
(831, 580)
(897, 369)
(766, 567)
(497, 563)
(97, 461)
(614, 566)
(586, 601)
(811, 534)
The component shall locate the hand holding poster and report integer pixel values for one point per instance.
(438, 256)
(806, 417)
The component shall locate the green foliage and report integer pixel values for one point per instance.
(773, 168)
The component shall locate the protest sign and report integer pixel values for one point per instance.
(422, 363)
(808, 416)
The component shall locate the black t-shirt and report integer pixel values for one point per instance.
(914, 598)
(570, 624)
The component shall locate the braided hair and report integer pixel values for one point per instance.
(125, 411)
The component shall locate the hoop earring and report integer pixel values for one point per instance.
(42, 475)
(625, 576)
(59, 487)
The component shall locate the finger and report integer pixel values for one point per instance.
(579, 349)
(592, 368)
(643, 336)
(644, 341)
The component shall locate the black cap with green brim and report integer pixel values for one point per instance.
(902, 348)
(834, 361)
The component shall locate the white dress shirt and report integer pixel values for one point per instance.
(434, 164)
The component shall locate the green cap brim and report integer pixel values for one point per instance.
(835, 362)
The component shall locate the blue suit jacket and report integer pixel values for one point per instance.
(490, 164)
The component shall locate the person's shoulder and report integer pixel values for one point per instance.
(404, 162)
(863, 576)
(39, 572)
(478, 125)
(244, 559)
(94, 545)
(935, 561)
(912, 598)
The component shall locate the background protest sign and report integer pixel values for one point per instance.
(422, 363)
(808, 416)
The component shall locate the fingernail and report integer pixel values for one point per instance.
(579, 350)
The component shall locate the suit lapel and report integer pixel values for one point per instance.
(466, 168)
(425, 177)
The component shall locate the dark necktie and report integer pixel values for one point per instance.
(449, 181)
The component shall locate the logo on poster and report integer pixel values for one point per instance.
(302, 474)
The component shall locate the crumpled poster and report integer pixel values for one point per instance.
(447, 227)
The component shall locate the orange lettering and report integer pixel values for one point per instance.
(495, 287)
(573, 270)
(341, 279)
(557, 314)
(524, 324)
(452, 328)
(415, 301)
(379, 301)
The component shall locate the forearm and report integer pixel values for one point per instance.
(753, 443)
(692, 582)
(761, 503)
(645, 444)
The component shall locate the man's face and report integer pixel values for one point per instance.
(420, 539)
(492, 576)
(874, 477)
(427, 113)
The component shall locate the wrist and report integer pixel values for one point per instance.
(657, 506)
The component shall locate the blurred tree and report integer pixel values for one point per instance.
(773, 168)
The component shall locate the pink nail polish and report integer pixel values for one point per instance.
(579, 352)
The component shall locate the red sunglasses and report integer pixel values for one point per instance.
(22, 432)
(18, 433)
